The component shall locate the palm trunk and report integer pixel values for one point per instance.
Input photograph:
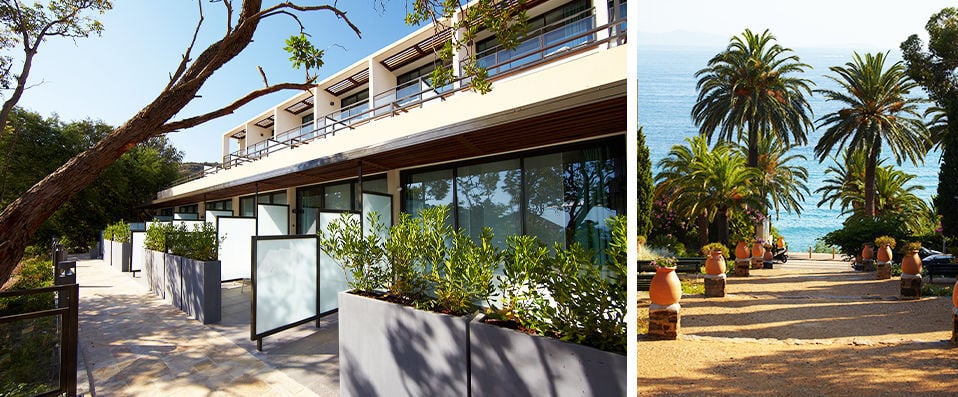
(870, 165)
(703, 224)
(721, 219)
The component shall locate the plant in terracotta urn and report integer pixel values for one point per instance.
(885, 245)
(867, 251)
(758, 248)
(715, 261)
(911, 263)
(741, 250)
(665, 288)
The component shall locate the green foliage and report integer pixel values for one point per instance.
(506, 20)
(935, 69)
(156, 236)
(520, 282)
(464, 279)
(822, 247)
(910, 247)
(47, 143)
(644, 186)
(119, 232)
(404, 259)
(359, 256)
(885, 240)
(303, 54)
(199, 243)
(707, 249)
(857, 231)
(693, 287)
(32, 273)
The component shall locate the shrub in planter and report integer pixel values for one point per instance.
(119, 232)
(156, 236)
(199, 243)
(464, 279)
(360, 256)
(405, 275)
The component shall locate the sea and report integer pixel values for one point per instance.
(666, 94)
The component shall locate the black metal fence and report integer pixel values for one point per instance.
(38, 346)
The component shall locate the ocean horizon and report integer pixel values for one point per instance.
(666, 94)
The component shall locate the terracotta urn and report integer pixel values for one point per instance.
(758, 250)
(665, 288)
(715, 264)
(867, 252)
(954, 295)
(884, 253)
(781, 242)
(741, 251)
(911, 263)
(768, 256)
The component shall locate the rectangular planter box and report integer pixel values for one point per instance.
(154, 270)
(505, 362)
(386, 349)
(201, 297)
(120, 256)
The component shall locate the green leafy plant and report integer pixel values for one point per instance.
(156, 236)
(664, 261)
(707, 249)
(199, 243)
(404, 259)
(464, 279)
(119, 232)
(885, 240)
(360, 256)
(520, 284)
(910, 247)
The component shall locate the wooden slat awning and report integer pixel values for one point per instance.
(301, 106)
(416, 51)
(349, 83)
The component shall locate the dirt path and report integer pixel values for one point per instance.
(808, 328)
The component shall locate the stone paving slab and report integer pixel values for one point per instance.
(135, 344)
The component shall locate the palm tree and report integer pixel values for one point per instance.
(847, 187)
(876, 110)
(782, 183)
(748, 89)
(707, 185)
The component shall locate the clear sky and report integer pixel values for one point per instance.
(112, 77)
(877, 24)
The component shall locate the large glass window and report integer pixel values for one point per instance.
(337, 197)
(354, 105)
(560, 196)
(488, 196)
(248, 205)
(222, 205)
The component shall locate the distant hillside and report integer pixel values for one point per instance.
(188, 170)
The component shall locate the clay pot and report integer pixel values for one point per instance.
(741, 251)
(758, 251)
(911, 263)
(665, 288)
(884, 253)
(954, 295)
(780, 243)
(867, 252)
(715, 264)
(768, 256)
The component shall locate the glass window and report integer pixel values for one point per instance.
(223, 205)
(188, 209)
(247, 206)
(337, 197)
(377, 185)
(488, 196)
(428, 189)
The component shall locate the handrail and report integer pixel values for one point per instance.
(331, 123)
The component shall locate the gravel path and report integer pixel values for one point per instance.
(806, 328)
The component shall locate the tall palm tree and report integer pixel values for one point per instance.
(749, 89)
(708, 185)
(877, 110)
(847, 187)
(782, 182)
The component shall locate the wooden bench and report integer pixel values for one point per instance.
(644, 280)
(941, 269)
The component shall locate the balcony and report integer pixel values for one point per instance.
(573, 34)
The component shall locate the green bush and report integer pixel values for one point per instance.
(31, 273)
(156, 236)
(119, 232)
(359, 256)
(404, 260)
(858, 230)
(463, 281)
(199, 243)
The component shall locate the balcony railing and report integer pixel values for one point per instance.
(571, 34)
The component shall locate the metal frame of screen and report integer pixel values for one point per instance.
(258, 337)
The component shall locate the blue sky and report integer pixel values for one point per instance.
(871, 25)
(112, 77)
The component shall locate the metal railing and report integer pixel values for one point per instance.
(574, 33)
(62, 321)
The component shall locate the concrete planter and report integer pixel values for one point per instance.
(387, 349)
(505, 362)
(121, 254)
(190, 285)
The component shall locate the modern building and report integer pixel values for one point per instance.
(542, 154)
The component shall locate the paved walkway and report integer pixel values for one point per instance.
(132, 343)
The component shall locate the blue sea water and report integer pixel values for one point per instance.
(666, 94)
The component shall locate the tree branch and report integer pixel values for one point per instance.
(274, 10)
(229, 109)
(186, 55)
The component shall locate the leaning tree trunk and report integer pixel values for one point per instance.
(871, 163)
(21, 219)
